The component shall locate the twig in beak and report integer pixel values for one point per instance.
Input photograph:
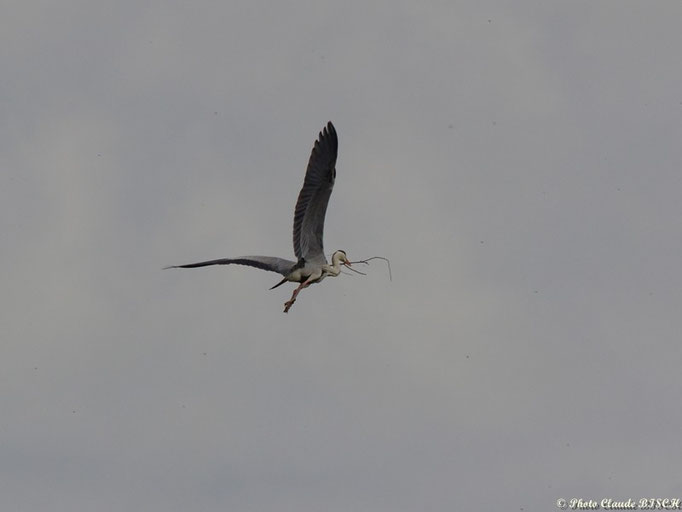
(356, 271)
(366, 262)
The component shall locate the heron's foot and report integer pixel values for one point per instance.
(288, 304)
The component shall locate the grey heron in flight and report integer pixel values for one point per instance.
(311, 207)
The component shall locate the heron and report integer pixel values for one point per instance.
(311, 207)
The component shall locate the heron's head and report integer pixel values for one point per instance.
(340, 257)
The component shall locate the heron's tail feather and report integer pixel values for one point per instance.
(280, 283)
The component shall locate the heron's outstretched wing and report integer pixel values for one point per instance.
(311, 206)
(270, 263)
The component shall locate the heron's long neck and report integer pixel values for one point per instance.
(335, 269)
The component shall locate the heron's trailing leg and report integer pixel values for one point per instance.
(290, 302)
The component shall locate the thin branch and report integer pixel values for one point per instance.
(366, 262)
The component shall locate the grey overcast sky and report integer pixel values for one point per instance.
(518, 162)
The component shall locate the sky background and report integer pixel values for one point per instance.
(518, 162)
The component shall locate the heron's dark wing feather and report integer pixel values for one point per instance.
(311, 206)
(270, 263)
